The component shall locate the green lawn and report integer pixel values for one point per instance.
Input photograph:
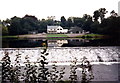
(56, 35)
(91, 35)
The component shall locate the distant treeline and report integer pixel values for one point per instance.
(94, 24)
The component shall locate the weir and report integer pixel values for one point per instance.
(65, 55)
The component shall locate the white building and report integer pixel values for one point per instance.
(56, 29)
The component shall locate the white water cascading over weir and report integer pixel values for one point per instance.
(64, 55)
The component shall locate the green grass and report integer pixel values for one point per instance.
(91, 35)
(56, 35)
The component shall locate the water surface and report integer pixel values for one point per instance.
(31, 43)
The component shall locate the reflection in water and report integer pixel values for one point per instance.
(56, 43)
(23, 43)
(67, 42)
(77, 42)
(30, 43)
(61, 42)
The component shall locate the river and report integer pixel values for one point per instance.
(32, 43)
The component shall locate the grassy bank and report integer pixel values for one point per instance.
(90, 36)
(56, 36)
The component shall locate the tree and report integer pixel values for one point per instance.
(4, 30)
(32, 21)
(110, 26)
(94, 27)
(57, 22)
(4, 25)
(87, 17)
(78, 21)
(102, 12)
(23, 25)
(43, 25)
(69, 23)
(50, 22)
(15, 27)
(87, 22)
(99, 13)
(113, 13)
(96, 15)
(63, 21)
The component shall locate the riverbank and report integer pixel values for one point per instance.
(40, 35)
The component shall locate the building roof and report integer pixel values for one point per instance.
(52, 27)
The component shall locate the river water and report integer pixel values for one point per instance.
(32, 43)
(102, 55)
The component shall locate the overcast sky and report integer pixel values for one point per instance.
(43, 8)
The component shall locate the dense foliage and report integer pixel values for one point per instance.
(94, 24)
